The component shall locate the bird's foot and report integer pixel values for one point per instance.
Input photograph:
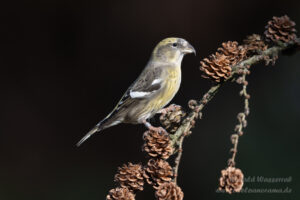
(157, 129)
(171, 107)
(153, 128)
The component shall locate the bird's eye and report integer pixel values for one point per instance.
(174, 44)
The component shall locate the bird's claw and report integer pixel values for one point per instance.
(157, 129)
(171, 107)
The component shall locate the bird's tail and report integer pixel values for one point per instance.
(110, 120)
(96, 129)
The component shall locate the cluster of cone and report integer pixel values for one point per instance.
(279, 30)
(171, 120)
(232, 180)
(158, 145)
(157, 172)
(217, 67)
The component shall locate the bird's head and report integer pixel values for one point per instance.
(172, 50)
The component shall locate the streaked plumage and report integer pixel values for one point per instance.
(153, 89)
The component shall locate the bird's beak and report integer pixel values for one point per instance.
(189, 49)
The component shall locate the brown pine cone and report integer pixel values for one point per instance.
(254, 44)
(169, 191)
(233, 51)
(157, 144)
(157, 172)
(120, 194)
(172, 118)
(281, 29)
(216, 67)
(131, 176)
(232, 180)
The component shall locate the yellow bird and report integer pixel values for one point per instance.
(153, 89)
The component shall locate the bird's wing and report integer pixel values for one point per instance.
(147, 84)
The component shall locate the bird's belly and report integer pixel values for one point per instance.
(166, 95)
(147, 108)
(172, 84)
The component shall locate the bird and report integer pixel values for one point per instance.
(152, 90)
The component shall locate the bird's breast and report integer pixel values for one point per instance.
(171, 87)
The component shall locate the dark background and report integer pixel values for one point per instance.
(65, 64)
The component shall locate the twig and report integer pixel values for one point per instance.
(178, 137)
(178, 158)
(187, 123)
(241, 116)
